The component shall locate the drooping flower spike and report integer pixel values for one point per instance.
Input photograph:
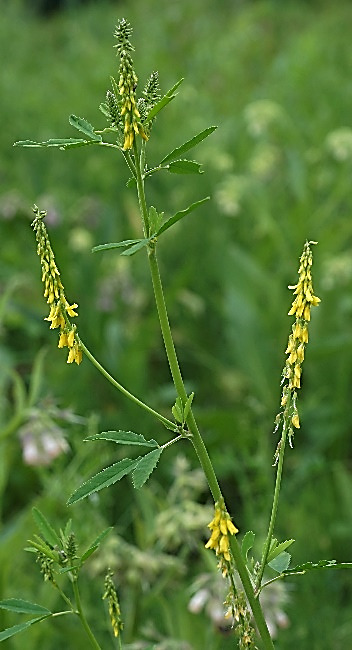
(60, 309)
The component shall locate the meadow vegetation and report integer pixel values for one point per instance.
(276, 79)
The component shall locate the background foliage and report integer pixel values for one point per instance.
(276, 79)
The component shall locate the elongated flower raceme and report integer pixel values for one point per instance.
(110, 594)
(127, 86)
(60, 309)
(298, 339)
(221, 528)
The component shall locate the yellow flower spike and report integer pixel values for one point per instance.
(54, 292)
(301, 308)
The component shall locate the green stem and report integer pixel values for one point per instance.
(82, 617)
(63, 596)
(140, 187)
(196, 437)
(275, 505)
(251, 595)
(167, 423)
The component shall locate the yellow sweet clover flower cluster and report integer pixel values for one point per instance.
(301, 308)
(221, 527)
(60, 309)
(127, 86)
(110, 595)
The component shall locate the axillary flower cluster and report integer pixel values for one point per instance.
(301, 308)
(60, 309)
(221, 527)
(127, 86)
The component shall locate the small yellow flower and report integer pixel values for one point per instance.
(63, 340)
(71, 338)
(295, 421)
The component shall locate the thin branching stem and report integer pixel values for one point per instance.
(82, 617)
(167, 423)
(266, 548)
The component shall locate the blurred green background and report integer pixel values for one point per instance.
(276, 78)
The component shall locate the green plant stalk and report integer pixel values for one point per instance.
(196, 438)
(167, 423)
(82, 617)
(274, 508)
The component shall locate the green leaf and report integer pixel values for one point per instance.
(247, 544)
(11, 631)
(184, 167)
(124, 438)
(24, 607)
(281, 562)
(42, 547)
(36, 377)
(187, 406)
(145, 467)
(322, 564)
(179, 151)
(164, 101)
(136, 247)
(85, 127)
(155, 218)
(131, 246)
(62, 143)
(103, 479)
(94, 545)
(179, 215)
(45, 528)
(119, 244)
(279, 548)
(177, 413)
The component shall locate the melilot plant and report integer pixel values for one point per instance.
(130, 128)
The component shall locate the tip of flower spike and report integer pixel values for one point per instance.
(122, 33)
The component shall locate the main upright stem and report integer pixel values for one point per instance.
(196, 437)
